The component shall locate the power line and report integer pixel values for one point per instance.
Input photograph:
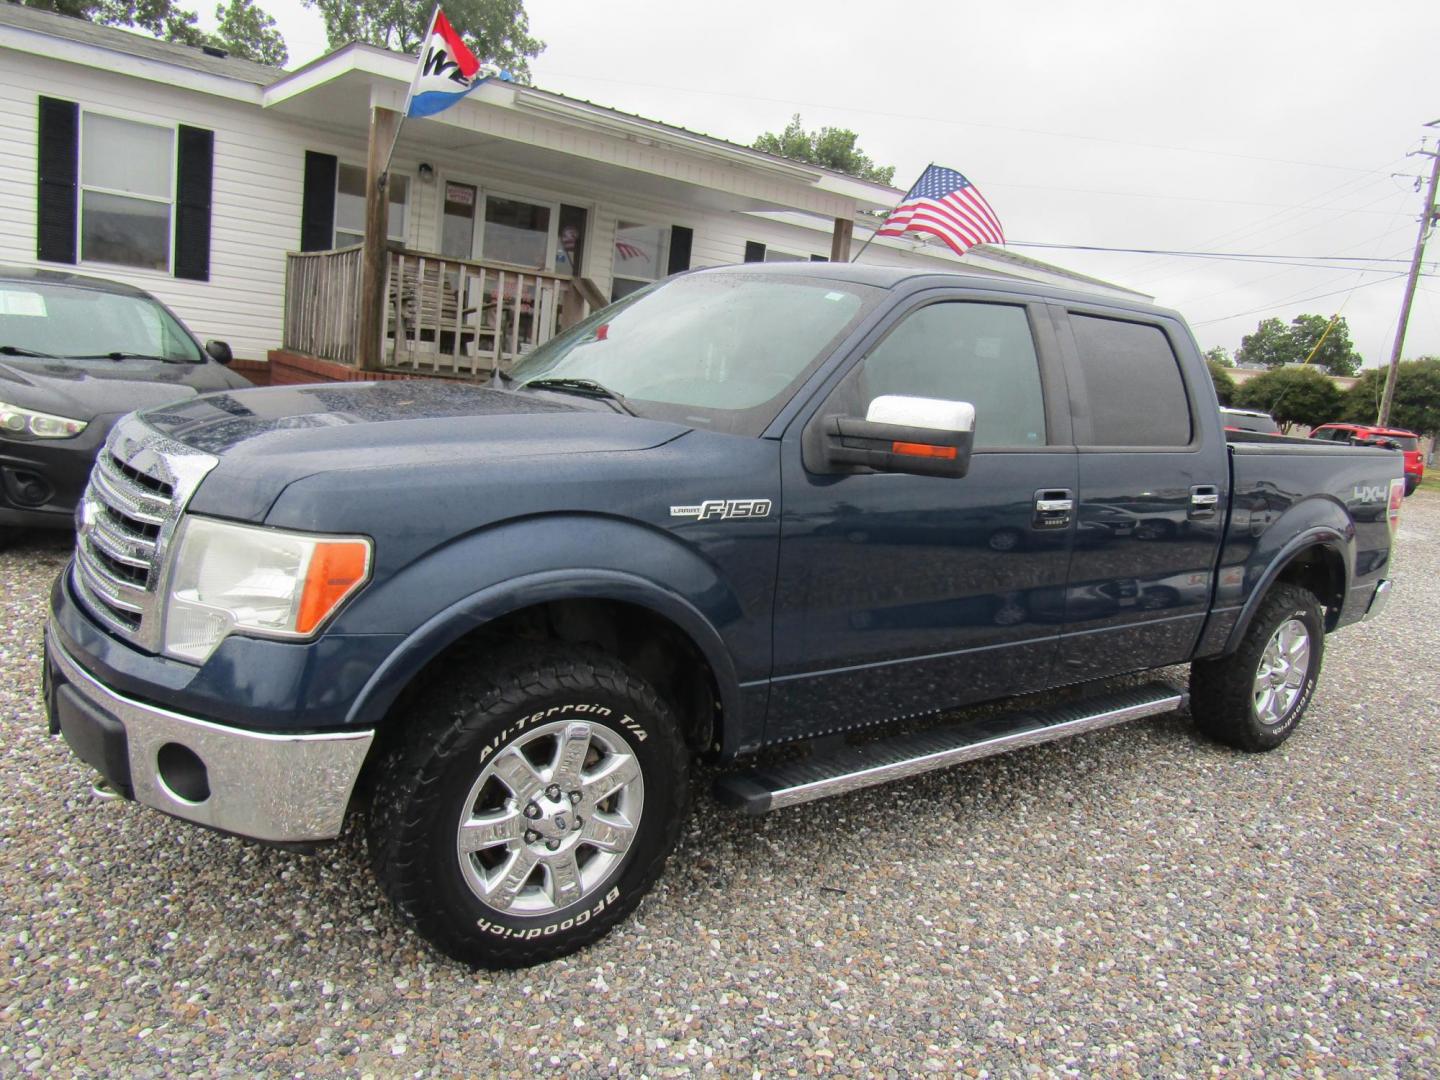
(1298, 300)
(1203, 254)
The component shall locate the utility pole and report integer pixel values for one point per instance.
(1427, 218)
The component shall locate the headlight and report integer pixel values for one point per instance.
(263, 581)
(17, 421)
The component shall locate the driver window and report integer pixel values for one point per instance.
(958, 351)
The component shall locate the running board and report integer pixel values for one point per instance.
(851, 768)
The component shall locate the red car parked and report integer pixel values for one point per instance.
(1367, 434)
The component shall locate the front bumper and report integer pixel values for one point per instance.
(276, 788)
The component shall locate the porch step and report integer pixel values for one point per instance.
(850, 768)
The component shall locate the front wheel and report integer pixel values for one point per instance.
(1254, 698)
(532, 808)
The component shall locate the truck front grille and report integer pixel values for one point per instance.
(138, 488)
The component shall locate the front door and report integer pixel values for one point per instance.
(901, 594)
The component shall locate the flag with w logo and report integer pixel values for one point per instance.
(446, 72)
(944, 204)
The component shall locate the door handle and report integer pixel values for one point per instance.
(1054, 507)
(1204, 500)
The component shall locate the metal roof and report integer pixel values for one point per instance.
(134, 43)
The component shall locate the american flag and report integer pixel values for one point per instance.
(944, 204)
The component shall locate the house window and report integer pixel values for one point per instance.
(350, 205)
(517, 232)
(640, 257)
(127, 191)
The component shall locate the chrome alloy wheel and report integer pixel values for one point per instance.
(549, 817)
(1280, 678)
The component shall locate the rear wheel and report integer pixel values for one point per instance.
(532, 808)
(1254, 698)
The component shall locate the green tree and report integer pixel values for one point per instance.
(1292, 395)
(1336, 353)
(497, 31)
(245, 30)
(1219, 355)
(249, 32)
(1273, 344)
(1269, 346)
(1225, 386)
(1416, 406)
(830, 148)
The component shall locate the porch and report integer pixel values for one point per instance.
(442, 316)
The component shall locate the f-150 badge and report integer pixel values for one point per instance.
(722, 509)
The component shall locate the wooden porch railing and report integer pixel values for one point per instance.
(322, 303)
(443, 316)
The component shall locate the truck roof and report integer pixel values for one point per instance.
(892, 277)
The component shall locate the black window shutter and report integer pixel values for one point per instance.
(193, 184)
(680, 240)
(754, 252)
(57, 189)
(317, 204)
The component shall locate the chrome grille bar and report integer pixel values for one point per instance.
(138, 489)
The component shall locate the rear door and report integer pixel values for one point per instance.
(1153, 477)
(901, 594)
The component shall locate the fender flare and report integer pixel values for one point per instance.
(1318, 536)
(474, 611)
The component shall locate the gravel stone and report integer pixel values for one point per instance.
(1135, 902)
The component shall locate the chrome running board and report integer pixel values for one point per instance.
(854, 767)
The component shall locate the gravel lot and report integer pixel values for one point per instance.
(1136, 902)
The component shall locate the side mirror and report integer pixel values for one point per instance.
(219, 352)
(924, 436)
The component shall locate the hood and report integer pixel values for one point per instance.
(86, 389)
(268, 438)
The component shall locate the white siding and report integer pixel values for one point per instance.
(259, 166)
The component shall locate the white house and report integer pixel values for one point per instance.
(197, 176)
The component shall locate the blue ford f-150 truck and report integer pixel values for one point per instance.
(744, 507)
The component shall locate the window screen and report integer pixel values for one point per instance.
(1132, 383)
(980, 353)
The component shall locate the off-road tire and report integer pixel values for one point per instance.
(470, 715)
(1223, 691)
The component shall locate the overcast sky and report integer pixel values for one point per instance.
(1261, 127)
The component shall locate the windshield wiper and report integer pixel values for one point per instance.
(587, 387)
(122, 355)
(16, 350)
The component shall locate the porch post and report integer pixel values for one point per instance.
(840, 241)
(383, 125)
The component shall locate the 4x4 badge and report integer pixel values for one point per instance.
(721, 509)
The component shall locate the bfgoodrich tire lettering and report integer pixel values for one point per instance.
(532, 807)
(1254, 698)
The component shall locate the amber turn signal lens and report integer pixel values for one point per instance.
(337, 568)
(916, 449)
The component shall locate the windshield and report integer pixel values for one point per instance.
(718, 350)
(1406, 442)
(1250, 422)
(73, 322)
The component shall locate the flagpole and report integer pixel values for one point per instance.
(876, 231)
(409, 95)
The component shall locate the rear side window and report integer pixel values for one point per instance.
(1132, 383)
(961, 351)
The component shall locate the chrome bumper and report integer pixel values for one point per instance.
(278, 788)
(1379, 600)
